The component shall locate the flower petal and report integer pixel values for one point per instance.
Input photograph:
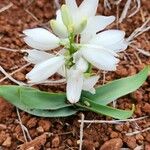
(82, 65)
(62, 71)
(74, 10)
(41, 39)
(74, 85)
(58, 27)
(100, 59)
(88, 8)
(76, 56)
(111, 39)
(95, 24)
(45, 69)
(35, 56)
(119, 46)
(89, 83)
(72, 5)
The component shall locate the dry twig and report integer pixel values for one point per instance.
(114, 121)
(127, 7)
(142, 51)
(81, 131)
(32, 15)
(137, 8)
(57, 4)
(107, 4)
(9, 49)
(26, 65)
(125, 10)
(139, 31)
(49, 82)
(137, 132)
(6, 7)
(10, 77)
(24, 129)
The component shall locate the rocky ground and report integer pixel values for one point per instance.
(64, 133)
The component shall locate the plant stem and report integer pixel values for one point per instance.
(71, 42)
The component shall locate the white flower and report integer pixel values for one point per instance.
(81, 16)
(76, 82)
(45, 69)
(74, 85)
(101, 50)
(110, 39)
(79, 53)
(82, 64)
(41, 39)
(94, 25)
(35, 57)
(89, 83)
(58, 27)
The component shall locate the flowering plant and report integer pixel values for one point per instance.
(76, 30)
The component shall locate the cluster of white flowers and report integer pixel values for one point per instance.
(76, 29)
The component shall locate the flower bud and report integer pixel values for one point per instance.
(81, 26)
(66, 17)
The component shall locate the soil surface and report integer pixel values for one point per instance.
(64, 133)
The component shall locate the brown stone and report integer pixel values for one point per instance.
(19, 76)
(32, 123)
(3, 126)
(88, 145)
(2, 137)
(146, 108)
(45, 124)
(137, 95)
(37, 143)
(131, 142)
(119, 127)
(6, 109)
(113, 144)
(114, 135)
(69, 142)
(148, 137)
(7, 142)
(147, 147)
(55, 142)
(40, 129)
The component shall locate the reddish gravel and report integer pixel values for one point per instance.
(63, 133)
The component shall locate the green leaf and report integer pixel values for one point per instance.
(105, 110)
(111, 91)
(32, 98)
(63, 112)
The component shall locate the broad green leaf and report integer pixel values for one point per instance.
(115, 89)
(63, 112)
(105, 110)
(32, 98)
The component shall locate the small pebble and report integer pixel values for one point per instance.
(55, 142)
(3, 126)
(45, 124)
(131, 142)
(113, 144)
(114, 135)
(7, 142)
(40, 129)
